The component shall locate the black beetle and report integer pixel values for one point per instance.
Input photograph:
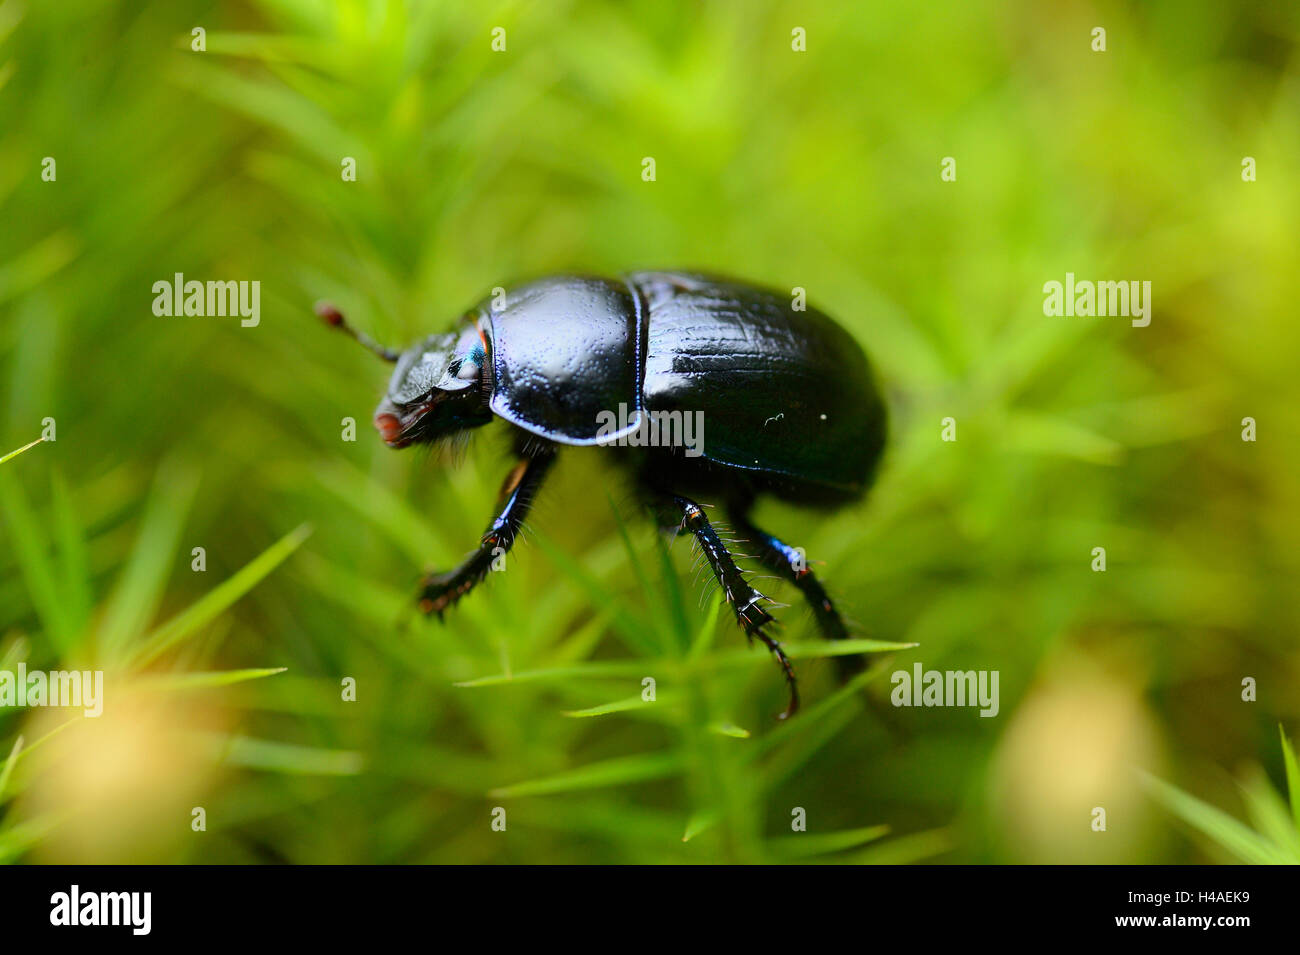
(788, 397)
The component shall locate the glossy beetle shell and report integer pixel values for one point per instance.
(783, 392)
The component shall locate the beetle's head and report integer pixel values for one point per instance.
(440, 386)
(436, 390)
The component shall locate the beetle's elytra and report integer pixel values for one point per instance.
(788, 397)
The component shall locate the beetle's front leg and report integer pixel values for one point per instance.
(439, 591)
(744, 599)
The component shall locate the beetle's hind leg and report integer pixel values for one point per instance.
(744, 599)
(439, 591)
(791, 564)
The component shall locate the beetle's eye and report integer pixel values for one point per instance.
(467, 368)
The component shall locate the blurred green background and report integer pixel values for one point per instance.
(818, 169)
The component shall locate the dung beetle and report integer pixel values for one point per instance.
(788, 398)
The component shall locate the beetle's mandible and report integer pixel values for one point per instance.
(788, 397)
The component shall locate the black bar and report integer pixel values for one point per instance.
(335, 904)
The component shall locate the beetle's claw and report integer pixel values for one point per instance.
(438, 592)
(753, 619)
(791, 708)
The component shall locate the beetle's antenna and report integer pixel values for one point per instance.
(330, 314)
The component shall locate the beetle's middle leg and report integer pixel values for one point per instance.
(744, 599)
(439, 591)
